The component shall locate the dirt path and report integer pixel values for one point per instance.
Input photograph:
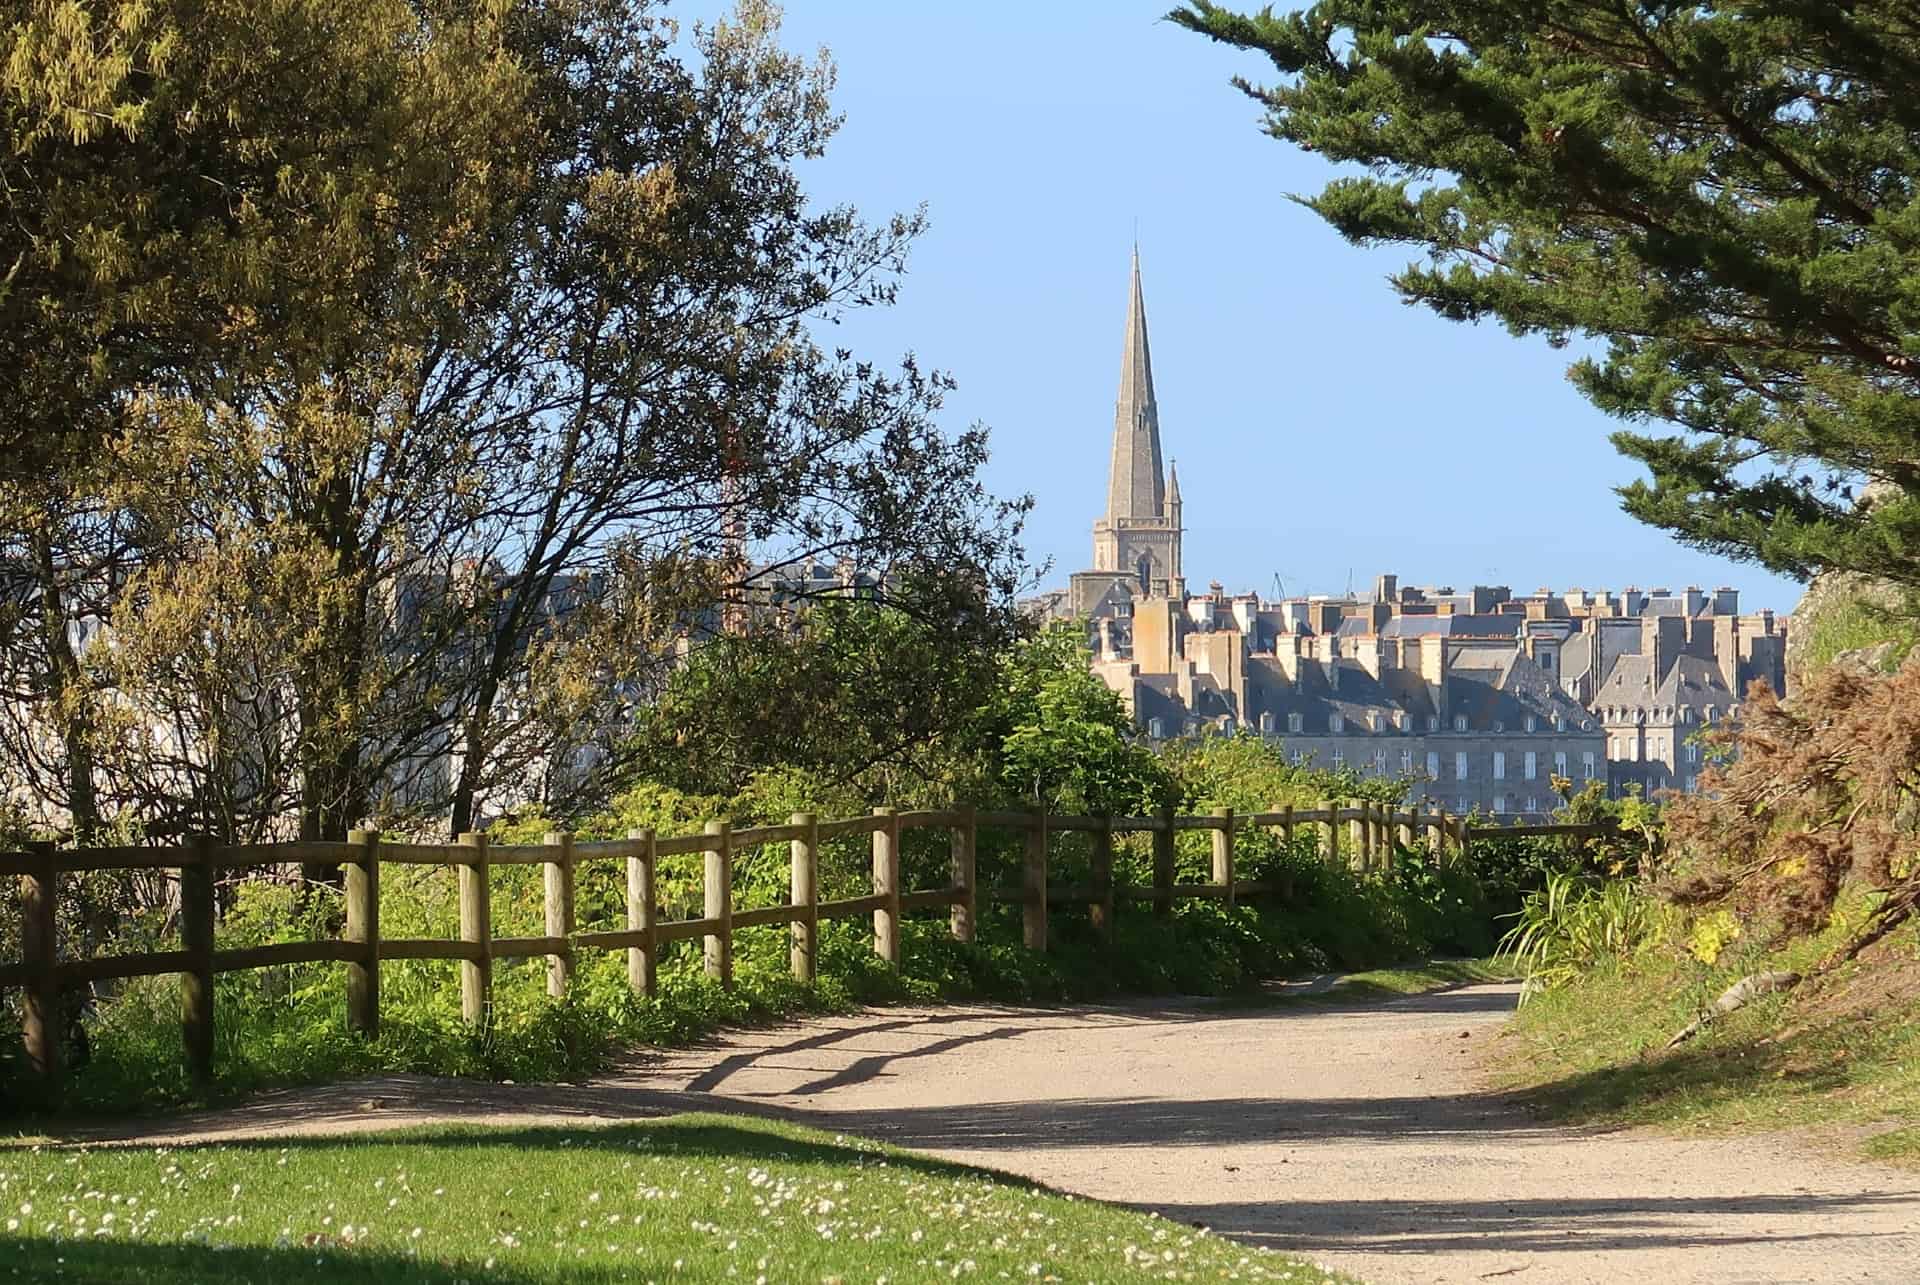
(1351, 1135)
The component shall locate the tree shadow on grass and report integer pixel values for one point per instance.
(732, 1137)
(1648, 1088)
(103, 1262)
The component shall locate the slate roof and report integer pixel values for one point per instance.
(1455, 626)
(1691, 682)
(1494, 689)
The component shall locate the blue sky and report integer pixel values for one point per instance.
(1323, 429)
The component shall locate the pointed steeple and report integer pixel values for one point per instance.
(1173, 484)
(1134, 487)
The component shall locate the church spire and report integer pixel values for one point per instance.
(1134, 487)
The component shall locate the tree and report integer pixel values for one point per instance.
(514, 411)
(1722, 193)
(193, 191)
(856, 693)
(1058, 738)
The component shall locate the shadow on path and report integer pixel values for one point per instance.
(1529, 1226)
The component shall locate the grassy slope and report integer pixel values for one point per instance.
(1843, 1053)
(1382, 984)
(688, 1198)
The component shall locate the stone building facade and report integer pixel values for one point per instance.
(1477, 698)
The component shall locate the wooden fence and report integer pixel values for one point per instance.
(1372, 831)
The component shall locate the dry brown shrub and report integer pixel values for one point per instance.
(1819, 795)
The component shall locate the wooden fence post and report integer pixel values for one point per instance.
(886, 883)
(1286, 864)
(1035, 890)
(1223, 850)
(1434, 847)
(965, 837)
(559, 901)
(196, 938)
(1332, 809)
(642, 960)
(719, 949)
(1362, 839)
(803, 953)
(1100, 913)
(476, 929)
(39, 950)
(1163, 864)
(363, 929)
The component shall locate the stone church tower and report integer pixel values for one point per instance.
(1138, 540)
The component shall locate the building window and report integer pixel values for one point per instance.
(1336, 724)
(1527, 766)
(1459, 722)
(1531, 724)
(1433, 764)
(1266, 722)
(1406, 762)
(1380, 762)
(1559, 722)
(1460, 766)
(1293, 723)
(1157, 729)
(1559, 762)
(1499, 765)
(1693, 753)
(1586, 765)
(1499, 804)
(1466, 806)
(1433, 722)
(1531, 801)
(1339, 759)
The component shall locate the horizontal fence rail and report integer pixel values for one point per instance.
(1363, 833)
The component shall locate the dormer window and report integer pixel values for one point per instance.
(1459, 722)
(1530, 723)
(1560, 723)
(1433, 722)
(1376, 721)
(1157, 729)
(1336, 724)
(1266, 723)
(1293, 723)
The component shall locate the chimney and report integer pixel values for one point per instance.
(1662, 639)
(1386, 589)
(1726, 651)
(1286, 651)
(1367, 652)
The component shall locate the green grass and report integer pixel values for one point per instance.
(1855, 624)
(1844, 1054)
(1383, 984)
(686, 1198)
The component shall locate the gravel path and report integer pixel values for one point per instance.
(1355, 1136)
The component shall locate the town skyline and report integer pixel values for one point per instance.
(1279, 350)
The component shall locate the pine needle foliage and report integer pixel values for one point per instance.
(1720, 193)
